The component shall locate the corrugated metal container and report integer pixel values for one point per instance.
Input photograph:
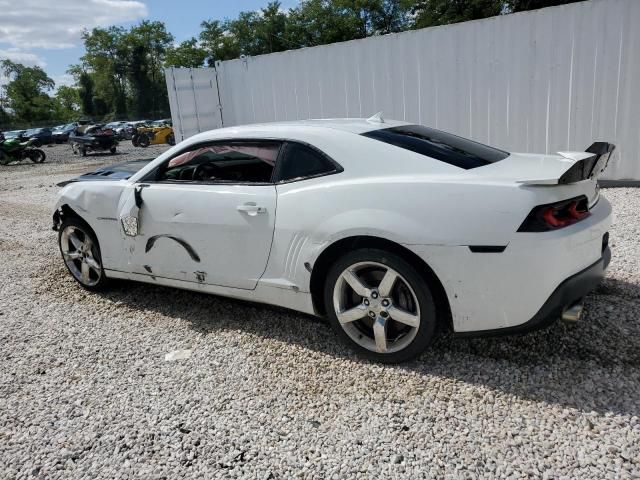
(542, 81)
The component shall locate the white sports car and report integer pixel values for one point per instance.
(391, 230)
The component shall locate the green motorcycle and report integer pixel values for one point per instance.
(13, 150)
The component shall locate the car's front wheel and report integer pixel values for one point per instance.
(380, 305)
(81, 254)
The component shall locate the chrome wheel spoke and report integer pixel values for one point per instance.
(355, 283)
(69, 256)
(380, 333)
(93, 264)
(402, 316)
(87, 245)
(352, 314)
(387, 282)
(85, 269)
(75, 241)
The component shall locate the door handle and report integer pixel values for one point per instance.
(251, 209)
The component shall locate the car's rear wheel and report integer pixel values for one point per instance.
(380, 305)
(81, 254)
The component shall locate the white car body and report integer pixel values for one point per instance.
(433, 209)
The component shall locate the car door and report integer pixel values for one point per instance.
(206, 215)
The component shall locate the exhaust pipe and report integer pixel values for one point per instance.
(573, 313)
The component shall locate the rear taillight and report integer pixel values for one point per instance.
(556, 215)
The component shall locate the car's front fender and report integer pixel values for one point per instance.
(97, 204)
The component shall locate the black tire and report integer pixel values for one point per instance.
(171, 139)
(97, 282)
(112, 150)
(4, 158)
(37, 156)
(134, 140)
(426, 307)
(143, 141)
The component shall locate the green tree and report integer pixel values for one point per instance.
(318, 22)
(428, 13)
(106, 61)
(521, 5)
(187, 54)
(67, 101)
(215, 41)
(147, 44)
(84, 82)
(26, 92)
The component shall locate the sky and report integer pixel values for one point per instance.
(47, 32)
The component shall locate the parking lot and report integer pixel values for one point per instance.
(85, 390)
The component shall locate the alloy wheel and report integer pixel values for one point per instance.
(81, 255)
(376, 307)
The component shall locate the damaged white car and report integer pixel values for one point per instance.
(391, 230)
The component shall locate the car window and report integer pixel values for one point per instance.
(224, 162)
(443, 146)
(301, 161)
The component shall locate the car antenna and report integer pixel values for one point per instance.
(377, 118)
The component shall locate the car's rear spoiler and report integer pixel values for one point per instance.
(590, 166)
(581, 166)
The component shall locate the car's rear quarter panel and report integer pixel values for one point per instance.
(438, 215)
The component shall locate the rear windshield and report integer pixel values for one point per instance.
(442, 146)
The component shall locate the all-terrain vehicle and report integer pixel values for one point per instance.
(92, 138)
(153, 135)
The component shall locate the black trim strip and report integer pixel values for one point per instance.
(487, 248)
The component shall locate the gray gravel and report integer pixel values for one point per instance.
(85, 390)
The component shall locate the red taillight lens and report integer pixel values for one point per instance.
(556, 215)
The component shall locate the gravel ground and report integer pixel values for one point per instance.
(85, 391)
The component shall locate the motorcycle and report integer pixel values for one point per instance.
(14, 150)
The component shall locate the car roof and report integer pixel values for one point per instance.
(352, 125)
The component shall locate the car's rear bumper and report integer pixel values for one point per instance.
(492, 289)
(570, 291)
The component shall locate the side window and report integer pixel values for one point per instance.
(301, 161)
(223, 162)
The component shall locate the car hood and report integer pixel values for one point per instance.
(119, 171)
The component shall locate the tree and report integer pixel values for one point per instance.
(187, 54)
(147, 46)
(318, 22)
(521, 5)
(85, 92)
(216, 43)
(67, 101)
(106, 61)
(122, 72)
(428, 13)
(25, 92)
